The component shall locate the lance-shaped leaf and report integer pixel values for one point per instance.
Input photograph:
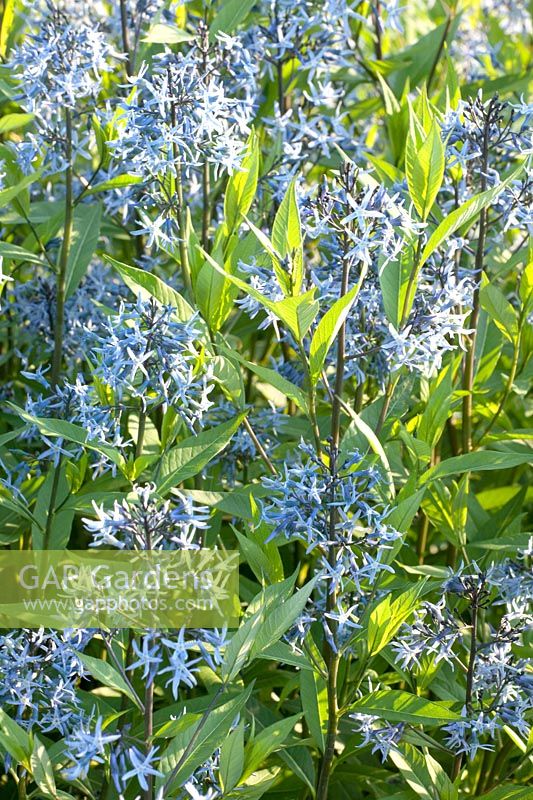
(297, 313)
(198, 741)
(146, 284)
(481, 461)
(287, 237)
(396, 706)
(424, 164)
(16, 253)
(241, 187)
(465, 215)
(14, 739)
(108, 676)
(187, 458)
(85, 233)
(272, 377)
(72, 433)
(328, 328)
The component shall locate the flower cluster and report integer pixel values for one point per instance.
(144, 352)
(147, 523)
(334, 503)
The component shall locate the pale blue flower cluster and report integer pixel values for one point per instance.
(144, 521)
(39, 673)
(501, 683)
(299, 507)
(145, 352)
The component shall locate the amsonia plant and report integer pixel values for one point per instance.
(267, 287)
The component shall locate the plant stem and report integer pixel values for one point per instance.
(259, 447)
(389, 391)
(469, 679)
(125, 37)
(439, 52)
(206, 216)
(331, 652)
(181, 216)
(182, 225)
(140, 432)
(63, 258)
(469, 363)
(57, 357)
(149, 730)
(377, 24)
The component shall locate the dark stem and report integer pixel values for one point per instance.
(259, 447)
(140, 432)
(469, 362)
(331, 652)
(469, 678)
(57, 357)
(378, 49)
(63, 258)
(125, 37)
(181, 216)
(439, 52)
(206, 215)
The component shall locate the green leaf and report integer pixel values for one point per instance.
(297, 313)
(389, 615)
(14, 739)
(500, 311)
(266, 742)
(242, 186)
(424, 166)
(239, 648)
(280, 619)
(438, 407)
(107, 675)
(41, 769)
(230, 14)
(394, 283)
(6, 24)
(403, 513)
(16, 253)
(481, 461)
(328, 328)
(313, 696)
(11, 122)
(18, 508)
(149, 285)
(197, 743)
(163, 33)
(118, 182)
(509, 791)
(424, 775)
(465, 215)
(257, 559)
(71, 432)
(272, 377)
(215, 296)
(526, 286)
(287, 237)
(85, 233)
(6, 195)
(396, 706)
(231, 763)
(186, 459)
